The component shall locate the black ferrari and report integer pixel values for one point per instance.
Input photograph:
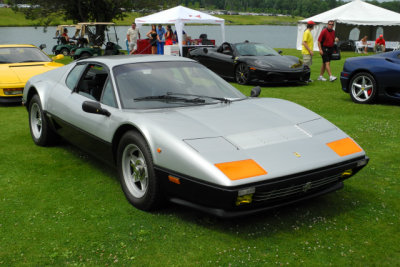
(251, 62)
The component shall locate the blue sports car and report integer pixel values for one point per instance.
(366, 78)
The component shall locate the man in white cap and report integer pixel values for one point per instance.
(308, 45)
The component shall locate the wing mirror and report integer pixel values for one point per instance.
(280, 52)
(58, 57)
(205, 50)
(255, 92)
(42, 46)
(95, 108)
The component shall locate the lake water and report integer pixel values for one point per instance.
(274, 36)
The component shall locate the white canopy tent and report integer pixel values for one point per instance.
(180, 16)
(369, 19)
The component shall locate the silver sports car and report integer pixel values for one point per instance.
(176, 131)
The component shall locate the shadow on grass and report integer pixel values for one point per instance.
(305, 214)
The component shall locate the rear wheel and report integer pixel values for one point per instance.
(242, 74)
(363, 88)
(39, 126)
(136, 172)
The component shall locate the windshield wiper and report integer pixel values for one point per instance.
(222, 99)
(168, 97)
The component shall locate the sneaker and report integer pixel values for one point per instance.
(332, 78)
(321, 78)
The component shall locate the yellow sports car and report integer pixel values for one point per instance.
(18, 63)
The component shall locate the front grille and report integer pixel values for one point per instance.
(294, 189)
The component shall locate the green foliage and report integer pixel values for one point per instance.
(59, 206)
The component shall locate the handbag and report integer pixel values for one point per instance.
(335, 53)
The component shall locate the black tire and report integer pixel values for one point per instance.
(363, 88)
(242, 74)
(136, 172)
(41, 132)
(64, 51)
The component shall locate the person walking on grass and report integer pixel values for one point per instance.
(308, 45)
(326, 42)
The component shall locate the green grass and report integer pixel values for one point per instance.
(9, 18)
(59, 206)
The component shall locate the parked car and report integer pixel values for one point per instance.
(18, 63)
(369, 77)
(251, 62)
(176, 131)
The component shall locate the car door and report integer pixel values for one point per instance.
(89, 131)
(221, 61)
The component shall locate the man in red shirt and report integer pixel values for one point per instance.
(380, 44)
(326, 42)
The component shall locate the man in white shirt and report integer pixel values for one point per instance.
(132, 36)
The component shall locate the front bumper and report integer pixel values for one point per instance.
(10, 100)
(344, 81)
(222, 201)
(269, 76)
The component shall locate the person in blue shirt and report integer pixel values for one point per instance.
(160, 44)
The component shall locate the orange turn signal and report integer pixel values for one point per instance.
(344, 147)
(241, 169)
(174, 179)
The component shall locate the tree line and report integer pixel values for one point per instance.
(107, 10)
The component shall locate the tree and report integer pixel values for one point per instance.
(80, 10)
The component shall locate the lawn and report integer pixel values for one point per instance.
(60, 206)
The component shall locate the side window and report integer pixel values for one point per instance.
(74, 75)
(93, 81)
(108, 97)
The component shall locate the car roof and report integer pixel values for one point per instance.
(126, 59)
(16, 45)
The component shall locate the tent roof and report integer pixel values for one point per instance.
(184, 14)
(359, 13)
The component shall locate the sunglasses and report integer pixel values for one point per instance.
(330, 23)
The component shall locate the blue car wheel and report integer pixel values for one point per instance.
(363, 88)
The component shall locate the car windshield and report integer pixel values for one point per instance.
(21, 55)
(171, 84)
(251, 49)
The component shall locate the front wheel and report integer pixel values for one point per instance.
(39, 126)
(136, 172)
(242, 74)
(363, 88)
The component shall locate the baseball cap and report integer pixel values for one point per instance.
(310, 22)
(381, 35)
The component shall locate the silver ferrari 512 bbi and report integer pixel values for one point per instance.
(176, 131)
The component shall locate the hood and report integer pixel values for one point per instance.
(239, 117)
(273, 62)
(22, 72)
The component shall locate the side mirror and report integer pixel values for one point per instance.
(95, 108)
(42, 46)
(58, 57)
(280, 52)
(205, 50)
(255, 92)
